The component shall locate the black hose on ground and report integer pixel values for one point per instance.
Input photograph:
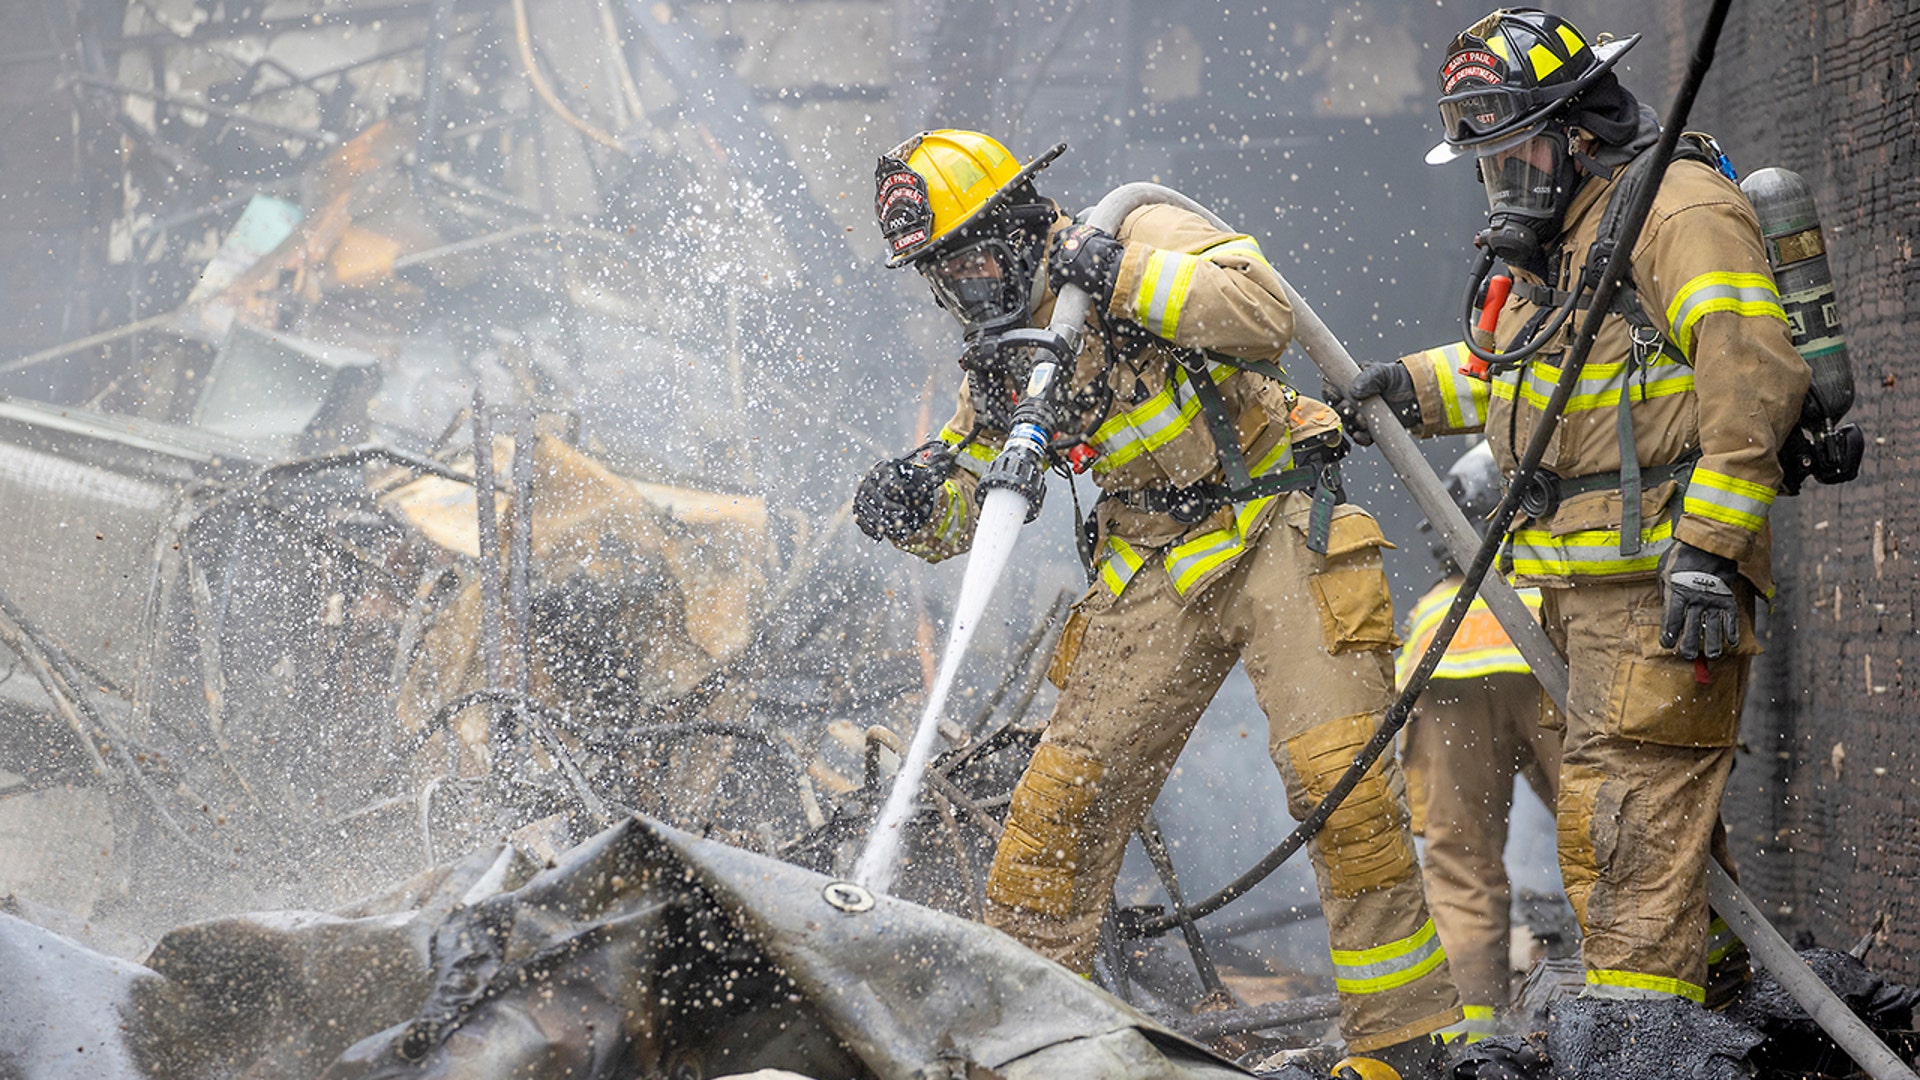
(1618, 268)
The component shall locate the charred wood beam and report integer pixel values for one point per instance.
(324, 138)
(489, 568)
(433, 93)
(232, 28)
(799, 95)
(1205, 1027)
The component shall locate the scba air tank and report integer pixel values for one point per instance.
(1798, 252)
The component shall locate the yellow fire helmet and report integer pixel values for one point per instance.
(1364, 1068)
(936, 182)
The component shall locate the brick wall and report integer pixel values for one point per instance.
(1827, 797)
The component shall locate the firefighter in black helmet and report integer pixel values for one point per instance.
(1646, 530)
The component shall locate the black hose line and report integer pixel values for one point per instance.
(1619, 266)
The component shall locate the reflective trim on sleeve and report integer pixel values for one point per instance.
(1239, 245)
(1386, 967)
(1600, 385)
(1728, 499)
(1121, 563)
(953, 525)
(1479, 1024)
(1462, 396)
(1151, 424)
(975, 458)
(1163, 291)
(1721, 290)
(1188, 563)
(1594, 553)
(1634, 985)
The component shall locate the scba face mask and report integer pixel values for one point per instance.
(1529, 186)
(992, 278)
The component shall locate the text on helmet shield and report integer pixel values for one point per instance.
(901, 203)
(1472, 64)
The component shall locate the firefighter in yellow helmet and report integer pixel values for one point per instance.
(1647, 531)
(1476, 728)
(1186, 579)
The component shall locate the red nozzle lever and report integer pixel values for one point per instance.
(1498, 288)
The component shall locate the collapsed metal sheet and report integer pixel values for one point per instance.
(643, 952)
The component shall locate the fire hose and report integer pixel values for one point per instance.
(1731, 902)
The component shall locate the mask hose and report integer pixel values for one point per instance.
(1521, 350)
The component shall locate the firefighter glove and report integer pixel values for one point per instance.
(1391, 382)
(898, 498)
(1702, 617)
(1088, 257)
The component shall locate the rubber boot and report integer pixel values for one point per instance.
(1423, 1058)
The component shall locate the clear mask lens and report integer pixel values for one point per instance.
(979, 282)
(1527, 178)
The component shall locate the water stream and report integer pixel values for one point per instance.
(1001, 515)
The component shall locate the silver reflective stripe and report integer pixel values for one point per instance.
(1423, 952)
(1178, 568)
(1168, 275)
(1241, 245)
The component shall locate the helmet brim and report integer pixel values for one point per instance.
(1605, 55)
(914, 255)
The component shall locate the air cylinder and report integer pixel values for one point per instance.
(1798, 253)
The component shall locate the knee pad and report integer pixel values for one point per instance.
(1040, 854)
(1588, 819)
(1364, 845)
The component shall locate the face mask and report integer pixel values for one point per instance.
(992, 280)
(978, 282)
(1529, 186)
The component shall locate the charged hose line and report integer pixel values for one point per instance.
(1618, 268)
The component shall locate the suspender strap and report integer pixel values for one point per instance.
(1241, 484)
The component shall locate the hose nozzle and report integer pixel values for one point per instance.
(1022, 464)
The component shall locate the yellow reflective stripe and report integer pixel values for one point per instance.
(1599, 386)
(1721, 941)
(1463, 397)
(1478, 1024)
(1458, 663)
(1593, 553)
(1189, 562)
(954, 523)
(1120, 565)
(1163, 291)
(1239, 245)
(975, 458)
(1729, 499)
(1151, 424)
(1543, 62)
(1634, 984)
(1721, 290)
(1385, 967)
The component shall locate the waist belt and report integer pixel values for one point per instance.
(1545, 492)
(1319, 472)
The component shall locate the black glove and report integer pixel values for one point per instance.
(1085, 256)
(898, 498)
(1702, 618)
(1391, 382)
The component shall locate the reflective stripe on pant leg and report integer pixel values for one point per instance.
(1478, 1024)
(1635, 985)
(1385, 967)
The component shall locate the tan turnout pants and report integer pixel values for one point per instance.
(1468, 740)
(1313, 633)
(1644, 763)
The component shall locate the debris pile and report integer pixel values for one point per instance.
(645, 951)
